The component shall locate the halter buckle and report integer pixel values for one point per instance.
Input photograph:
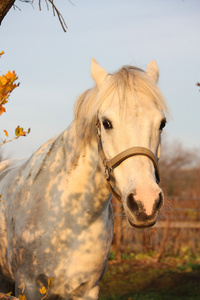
(107, 169)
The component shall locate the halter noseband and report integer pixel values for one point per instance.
(114, 162)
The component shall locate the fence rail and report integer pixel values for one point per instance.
(177, 229)
(178, 224)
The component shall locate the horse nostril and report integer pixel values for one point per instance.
(159, 202)
(132, 204)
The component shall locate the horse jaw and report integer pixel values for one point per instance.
(98, 73)
(153, 71)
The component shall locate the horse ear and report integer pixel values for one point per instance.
(97, 72)
(152, 71)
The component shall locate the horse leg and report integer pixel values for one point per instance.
(93, 293)
(6, 286)
(26, 286)
(30, 292)
(85, 292)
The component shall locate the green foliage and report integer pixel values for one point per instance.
(112, 255)
(192, 214)
(174, 278)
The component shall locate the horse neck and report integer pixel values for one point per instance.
(85, 170)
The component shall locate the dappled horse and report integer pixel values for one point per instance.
(56, 219)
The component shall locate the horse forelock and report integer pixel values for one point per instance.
(131, 81)
(128, 82)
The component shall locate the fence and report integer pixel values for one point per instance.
(177, 231)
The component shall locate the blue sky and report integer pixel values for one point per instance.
(54, 67)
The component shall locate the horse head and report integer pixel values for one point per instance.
(130, 120)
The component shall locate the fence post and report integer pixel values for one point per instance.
(118, 230)
(162, 246)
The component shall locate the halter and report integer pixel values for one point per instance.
(111, 164)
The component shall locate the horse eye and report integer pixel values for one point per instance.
(107, 124)
(162, 124)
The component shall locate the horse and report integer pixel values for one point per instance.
(56, 218)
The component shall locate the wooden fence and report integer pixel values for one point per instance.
(177, 231)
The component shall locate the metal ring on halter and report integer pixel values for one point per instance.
(107, 171)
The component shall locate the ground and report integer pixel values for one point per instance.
(142, 277)
(146, 279)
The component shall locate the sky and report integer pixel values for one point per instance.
(54, 67)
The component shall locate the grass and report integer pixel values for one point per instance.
(145, 279)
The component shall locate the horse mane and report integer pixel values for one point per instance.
(8, 164)
(127, 83)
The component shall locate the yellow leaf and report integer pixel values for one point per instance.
(19, 131)
(2, 52)
(50, 281)
(43, 290)
(4, 80)
(9, 294)
(22, 297)
(11, 76)
(6, 132)
(2, 109)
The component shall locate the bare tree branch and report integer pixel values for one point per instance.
(60, 17)
(5, 6)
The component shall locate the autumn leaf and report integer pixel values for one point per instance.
(22, 297)
(4, 80)
(9, 294)
(19, 131)
(7, 85)
(11, 76)
(50, 281)
(2, 109)
(43, 290)
(6, 132)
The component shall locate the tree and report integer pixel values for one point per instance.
(179, 168)
(7, 85)
(5, 6)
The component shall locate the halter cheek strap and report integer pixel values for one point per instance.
(114, 162)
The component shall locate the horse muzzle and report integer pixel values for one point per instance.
(136, 212)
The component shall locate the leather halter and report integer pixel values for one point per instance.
(114, 162)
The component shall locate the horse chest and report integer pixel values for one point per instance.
(84, 261)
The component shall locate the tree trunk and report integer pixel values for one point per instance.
(5, 6)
